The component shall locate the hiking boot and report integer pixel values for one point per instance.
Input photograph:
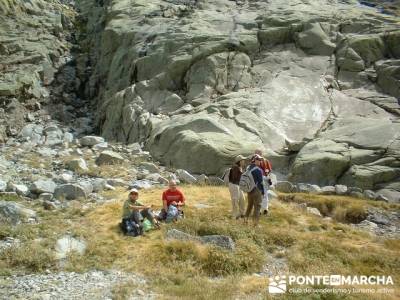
(265, 212)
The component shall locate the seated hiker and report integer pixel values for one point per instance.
(173, 201)
(136, 211)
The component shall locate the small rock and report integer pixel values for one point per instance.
(91, 140)
(109, 158)
(117, 182)
(328, 190)
(308, 188)
(340, 189)
(101, 146)
(15, 213)
(222, 241)
(134, 148)
(46, 196)
(67, 244)
(20, 189)
(367, 225)
(109, 187)
(47, 152)
(68, 137)
(87, 186)
(370, 194)
(98, 184)
(141, 184)
(69, 192)
(3, 186)
(378, 218)
(185, 176)
(202, 179)
(152, 168)
(284, 187)
(77, 165)
(314, 211)
(43, 186)
(66, 177)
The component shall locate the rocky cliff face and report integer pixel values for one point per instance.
(40, 78)
(313, 83)
(202, 81)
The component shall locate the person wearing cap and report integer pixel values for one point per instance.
(136, 211)
(254, 197)
(266, 167)
(172, 196)
(237, 196)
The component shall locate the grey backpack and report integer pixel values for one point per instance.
(246, 182)
(225, 176)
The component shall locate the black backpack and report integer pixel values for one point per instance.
(130, 227)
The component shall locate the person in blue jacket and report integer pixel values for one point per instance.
(254, 197)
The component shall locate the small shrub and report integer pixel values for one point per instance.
(247, 259)
(351, 214)
(31, 256)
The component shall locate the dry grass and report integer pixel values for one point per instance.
(191, 271)
(341, 208)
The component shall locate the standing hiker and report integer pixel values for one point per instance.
(237, 196)
(254, 196)
(266, 168)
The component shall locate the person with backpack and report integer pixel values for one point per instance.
(173, 202)
(254, 188)
(266, 168)
(237, 195)
(133, 212)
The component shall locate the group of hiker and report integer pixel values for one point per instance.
(137, 217)
(253, 180)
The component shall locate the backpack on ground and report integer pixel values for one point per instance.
(247, 183)
(172, 214)
(130, 228)
(225, 176)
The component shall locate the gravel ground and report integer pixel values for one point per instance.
(70, 285)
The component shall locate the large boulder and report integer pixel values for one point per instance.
(245, 78)
(15, 213)
(360, 152)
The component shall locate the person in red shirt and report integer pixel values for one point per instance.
(172, 196)
(266, 167)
